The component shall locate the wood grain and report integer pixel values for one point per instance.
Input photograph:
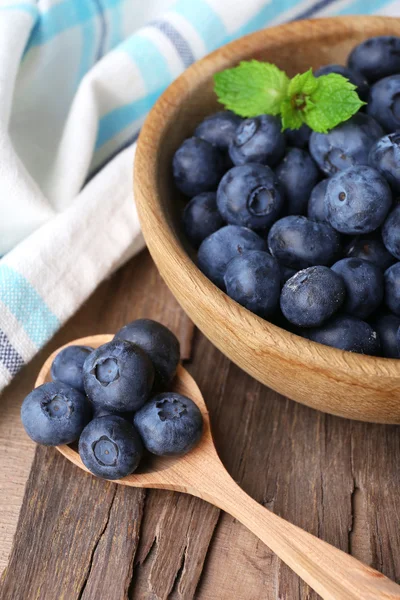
(337, 479)
(342, 383)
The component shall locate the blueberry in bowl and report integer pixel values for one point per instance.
(321, 376)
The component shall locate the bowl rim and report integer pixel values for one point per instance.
(150, 207)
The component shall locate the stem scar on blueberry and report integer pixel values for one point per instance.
(171, 410)
(342, 196)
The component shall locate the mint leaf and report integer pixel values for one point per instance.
(253, 88)
(291, 117)
(303, 84)
(333, 101)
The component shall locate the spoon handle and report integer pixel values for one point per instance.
(332, 573)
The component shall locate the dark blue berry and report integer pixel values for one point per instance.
(298, 138)
(258, 140)
(297, 174)
(385, 157)
(354, 77)
(391, 232)
(316, 203)
(110, 447)
(387, 326)
(254, 281)
(376, 57)
(384, 103)
(219, 129)
(392, 288)
(197, 167)
(220, 247)
(346, 333)
(286, 273)
(250, 196)
(298, 242)
(371, 248)
(312, 296)
(55, 413)
(346, 145)
(364, 286)
(67, 366)
(201, 217)
(170, 424)
(118, 376)
(357, 200)
(159, 343)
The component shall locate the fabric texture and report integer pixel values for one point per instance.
(77, 78)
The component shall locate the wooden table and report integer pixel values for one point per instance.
(80, 538)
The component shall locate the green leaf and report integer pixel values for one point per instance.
(333, 101)
(291, 117)
(252, 88)
(303, 83)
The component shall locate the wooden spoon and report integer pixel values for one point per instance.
(332, 573)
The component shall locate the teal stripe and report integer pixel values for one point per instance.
(361, 7)
(31, 9)
(150, 62)
(115, 30)
(64, 16)
(205, 21)
(117, 120)
(27, 306)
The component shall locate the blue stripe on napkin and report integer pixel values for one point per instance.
(27, 306)
(9, 357)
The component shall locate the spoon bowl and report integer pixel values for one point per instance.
(329, 571)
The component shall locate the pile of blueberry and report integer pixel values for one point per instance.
(111, 400)
(303, 228)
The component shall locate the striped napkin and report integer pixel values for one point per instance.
(77, 78)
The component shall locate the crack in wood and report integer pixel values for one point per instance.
(95, 546)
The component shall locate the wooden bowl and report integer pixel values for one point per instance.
(337, 382)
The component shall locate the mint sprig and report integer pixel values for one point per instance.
(254, 88)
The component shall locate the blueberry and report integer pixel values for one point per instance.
(387, 326)
(118, 376)
(100, 411)
(346, 333)
(364, 286)
(160, 344)
(201, 218)
(254, 281)
(220, 247)
(258, 140)
(55, 413)
(298, 138)
(170, 424)
(392, 288)
(250, 196)
(398, 339)
(68, 364)
(297, 174)
(376, 57)
(298, 242)
(354, 77)
(219, 129)
(316, 203)
(384, 102)
(371, 248)
(311, 296)
(197, 167)
(391, 232)
(346, 145)
(286, 273)
(385, 157)
(357, 200)
(110, 447)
